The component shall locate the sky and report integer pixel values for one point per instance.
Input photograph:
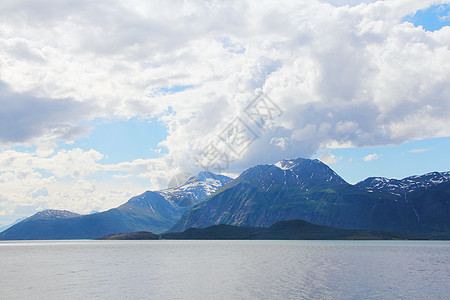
(101, 101)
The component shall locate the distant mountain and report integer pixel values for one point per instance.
(427, 195)
(36, 225)
(284, 230)
(151, 211)
(51, 214)
(404, 186)
(309, 190)
(195, 189)
(298, 189)
(4, 227)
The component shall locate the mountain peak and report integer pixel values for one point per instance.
(195, 189)
(288, 164)
(285, 164)
(204, 176)
(54, 214)
(309, 170)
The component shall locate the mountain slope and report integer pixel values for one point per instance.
(151, 211)
(309, 190)
(428, 196)
(4, 227)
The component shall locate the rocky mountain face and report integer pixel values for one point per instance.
(309, 190)
(428, 196)
(151, 211)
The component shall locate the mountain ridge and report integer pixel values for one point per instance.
(265, 194)
(49, 214)
(405, 185)
(151, 211)
(304, 189)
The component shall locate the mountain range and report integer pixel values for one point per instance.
(151, 211)
(309, 190)
(261, 196)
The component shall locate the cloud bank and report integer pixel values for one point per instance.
(343, 76)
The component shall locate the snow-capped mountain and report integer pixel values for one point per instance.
(151, 211)
(302, 189)
(54, 214)
(405, 185)
(195, 189)
(309, 190)
(309, 171)
(265, 194)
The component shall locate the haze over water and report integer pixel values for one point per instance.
(225, 269)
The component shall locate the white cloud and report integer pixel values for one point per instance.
(26, 118)
(328, 158)
(67, 179)
(347, 2)
(371, 157)
(445, 18)
(280, 142)
(74, 163)
(421, 150)
(342, 75)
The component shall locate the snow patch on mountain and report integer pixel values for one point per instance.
(405, 185)
(195, 189)
(54, 214)
(286, 164)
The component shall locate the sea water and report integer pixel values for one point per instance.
(164, 269)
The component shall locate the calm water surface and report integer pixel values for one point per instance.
(224, 270)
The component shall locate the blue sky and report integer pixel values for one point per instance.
(95, 110)
(412, 158)
(431, 19)
(124, 140)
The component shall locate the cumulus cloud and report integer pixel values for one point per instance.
(25, 118)
(75, 163)
(67, 179)
(342, 75)
(371, 157)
